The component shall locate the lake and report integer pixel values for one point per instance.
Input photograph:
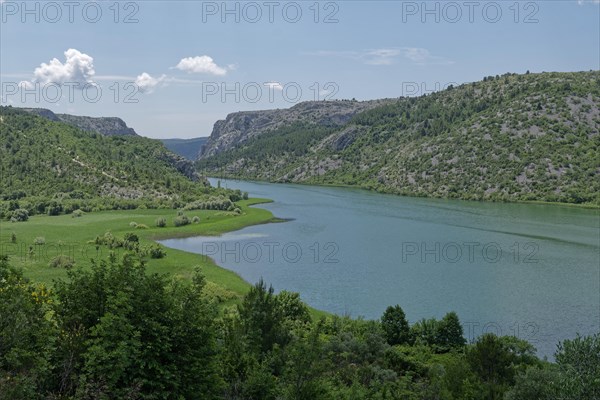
(532, 271)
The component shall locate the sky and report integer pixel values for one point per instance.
(171, 69)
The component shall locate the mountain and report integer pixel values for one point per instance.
(188, 148)
(44, 158)
(107, 126)
(506, 138)
(241, 127)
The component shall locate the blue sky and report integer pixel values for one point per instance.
(173, 68)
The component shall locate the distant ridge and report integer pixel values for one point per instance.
(107, 126)
(529, 137)
(187, 148)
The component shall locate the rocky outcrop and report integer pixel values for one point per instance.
(242, 126)
(107, 126)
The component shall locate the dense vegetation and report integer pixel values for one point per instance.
(507, 138)
(117, 332)
(50, 167)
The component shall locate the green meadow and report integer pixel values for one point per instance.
(74, 237)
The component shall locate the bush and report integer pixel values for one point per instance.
(133, 224)
(181, 220)
(40, 240)
(13, 238)
(77, 214)
(131, 237)
(196, 220)
(157, 252)
(141, 226)
(161, 222)
(19, 215)
(62, 261)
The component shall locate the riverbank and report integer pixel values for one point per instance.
(591, 206)
(34, 244)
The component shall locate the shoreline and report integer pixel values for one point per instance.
(587, 206)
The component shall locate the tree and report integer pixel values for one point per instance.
(493, 359)
(27, 336)
(395, 325)
(261, 319)
(128, 334)
(450, 333)
(579, 362)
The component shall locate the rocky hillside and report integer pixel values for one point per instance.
(508, 138)
(241, 127)
(107, 126)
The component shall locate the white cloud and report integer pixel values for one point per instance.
(78, 67)
(146, 83)
(582, 2)
(200, 65)
(274, 85)
(389, 56)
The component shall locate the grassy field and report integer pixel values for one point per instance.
(72, 237)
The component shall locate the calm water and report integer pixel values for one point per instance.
(532, 271)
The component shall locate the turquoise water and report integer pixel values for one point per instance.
(532, 271)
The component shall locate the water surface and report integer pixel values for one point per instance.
(532, 271)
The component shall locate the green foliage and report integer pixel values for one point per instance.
(181, 220)
(516, 138)
(19, 215)
(56, 168)
(579, 363)
(129, 334)
(157, 252)
(450, 333)
(161, 222)
(395, 325)
(26, 336)
(115, 331)
(62, 261)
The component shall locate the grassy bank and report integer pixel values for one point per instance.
(73, 237)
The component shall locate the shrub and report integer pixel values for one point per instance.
(62, 261)
(196, 220)
(141, 226)
(157, 252)
(54, 208)
(161, 222)
(40, 240)
(181, 220)
(133, 224)
(19, 215)
(13, 238)
(131, 237)
(77, 214)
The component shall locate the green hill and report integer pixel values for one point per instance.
(506, 138)
(51, 165)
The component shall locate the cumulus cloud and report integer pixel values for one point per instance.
(146, 83)
(274, 85)
(77, 67)
(200, 65)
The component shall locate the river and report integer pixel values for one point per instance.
(532, 271)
